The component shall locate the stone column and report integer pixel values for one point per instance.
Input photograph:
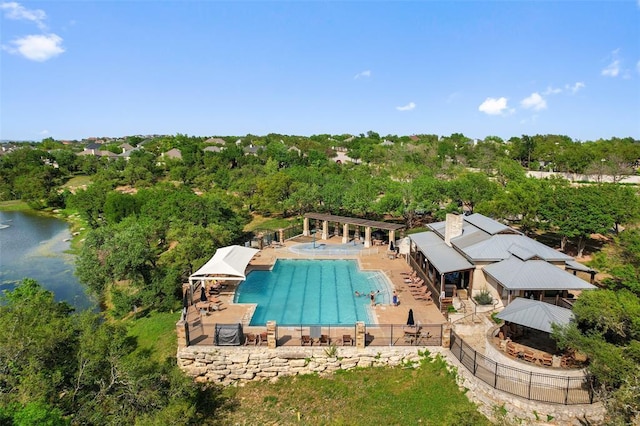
(305, 229)
(281, 235)
(182, 330)
(337, 230)
(325, 229)
(345, 233)
(271, 334)
(356, 234)
(392, 238)
(367, 237)
(361, 334)
(446, 334)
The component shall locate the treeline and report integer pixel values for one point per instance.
(59, 368)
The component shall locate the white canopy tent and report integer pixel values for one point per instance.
(228, 263)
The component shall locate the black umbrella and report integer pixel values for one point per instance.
(410, 320)
(203, 294)
(185, 299)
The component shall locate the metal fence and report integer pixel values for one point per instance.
(375, 335)
(533, 386)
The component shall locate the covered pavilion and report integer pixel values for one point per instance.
(227, 264)
(368, 226)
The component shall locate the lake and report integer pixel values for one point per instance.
(34, 246)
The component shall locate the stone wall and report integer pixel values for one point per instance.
(235, 364)
(227, 365)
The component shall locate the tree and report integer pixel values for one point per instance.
(472, 188)
(576, 213)
(607, 328)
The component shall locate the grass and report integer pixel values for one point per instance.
(386, 396)
(14, 206)
(261, 222)
(77, 182)
(155, 334)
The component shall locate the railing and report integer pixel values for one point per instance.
(198, 333)
(533, 386)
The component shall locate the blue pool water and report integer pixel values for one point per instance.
(318, 292)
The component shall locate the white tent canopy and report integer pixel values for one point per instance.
(228, 263)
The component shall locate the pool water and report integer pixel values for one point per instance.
(313, 292)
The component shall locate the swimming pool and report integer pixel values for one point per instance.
(309, 292)
(322, 249)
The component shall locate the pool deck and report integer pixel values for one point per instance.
(374, 258)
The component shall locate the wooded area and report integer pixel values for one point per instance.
(153, 220)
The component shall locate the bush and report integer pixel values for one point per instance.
(484, 297)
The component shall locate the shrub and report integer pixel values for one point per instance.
(484, 297)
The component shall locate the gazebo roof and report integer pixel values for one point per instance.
(355, 221)
(535, 314)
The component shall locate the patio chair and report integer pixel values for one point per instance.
(512, 349)
(546, 360)
(263, 338)
(305, 339)
(347, 340)
(250, 339)
(324, 340)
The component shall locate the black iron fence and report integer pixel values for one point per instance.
(533, 386)
(375, 335)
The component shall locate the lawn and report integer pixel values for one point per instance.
(77, 182)
(13, 206)
(261, 222)
(383, 396)
(155, 334)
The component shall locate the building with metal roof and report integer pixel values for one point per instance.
(535, 314)
(469, 254)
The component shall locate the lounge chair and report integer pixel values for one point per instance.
(250, 339)
(324, 340)
(547, 360)
(305, 339)
(529, 355)
(347, 340)
(512, 349)
(263, 338)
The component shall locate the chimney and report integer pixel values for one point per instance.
(453, 227)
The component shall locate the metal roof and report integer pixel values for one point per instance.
(445, 259)
(515, 274)
(498, 247)
(355, 221)
(484, 239)
(487, 224)
(572, 264)
(535, 314)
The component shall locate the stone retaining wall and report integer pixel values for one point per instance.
(227, 365)
(235, 364)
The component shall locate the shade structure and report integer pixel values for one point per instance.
(535, 314)
(404, 245)
(410, 320)
(228, 263)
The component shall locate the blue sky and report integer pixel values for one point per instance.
(76, 69)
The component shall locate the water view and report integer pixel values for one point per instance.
(33, 246)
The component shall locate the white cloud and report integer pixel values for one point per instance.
(534, 102)
(363, 74)
(43, 132)
(552, 91)
(16, 11)
(577, 86)
(408, 107)
(612, 70)
(38, 48)
(494, 106)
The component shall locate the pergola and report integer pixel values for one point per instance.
(346, 221)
